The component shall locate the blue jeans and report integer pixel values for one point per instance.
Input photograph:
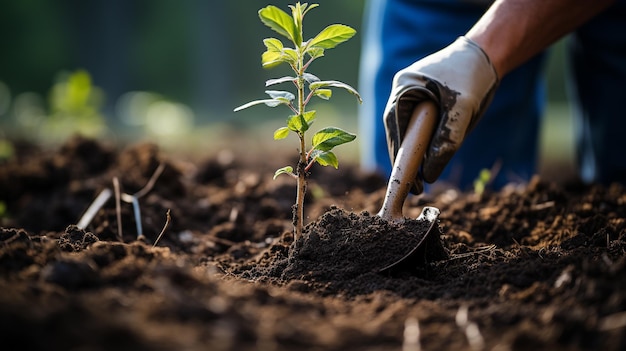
(400, 32)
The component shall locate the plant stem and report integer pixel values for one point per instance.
(298, 214)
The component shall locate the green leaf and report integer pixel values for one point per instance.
(335, 84)
(306, 9)
(327, 138)
(284, 170)
(291, 55)
(279, 80)
(273, 44)
(270, 59)
(332, 36)
(297, 15)
(310, 78)
(315, 52)
(326, 158)
(309, 116)
(281, 133)
(324, 93)
(274, 54)
(279, 21)
(283, 96)
(273, 58)
(298, 123)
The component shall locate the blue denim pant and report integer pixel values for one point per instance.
(400, 32)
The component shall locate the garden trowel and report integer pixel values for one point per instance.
(405, 168)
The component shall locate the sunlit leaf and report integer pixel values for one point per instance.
(284, 170)
(335, 84)
(279, 80)
(297, 123)
(297, 14)
(271, 59)
(315, 52)
(306, 9)
(324, 93)
(325, 158)
(273, 56)
(291, 54)
(273, 44)
(332, 36)
(309, 116)
(281, 133)
(279, 21)
(327, 138)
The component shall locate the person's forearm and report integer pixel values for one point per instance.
(512, 31)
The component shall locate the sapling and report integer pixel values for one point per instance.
(299, 58)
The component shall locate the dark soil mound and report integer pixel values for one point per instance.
(345, 247)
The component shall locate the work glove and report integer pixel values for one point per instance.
(461, 80)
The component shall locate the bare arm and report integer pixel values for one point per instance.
(512, 31)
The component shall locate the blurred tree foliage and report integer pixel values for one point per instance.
(194, 51)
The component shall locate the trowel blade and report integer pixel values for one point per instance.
(430, 215)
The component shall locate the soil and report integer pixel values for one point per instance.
(533, 267)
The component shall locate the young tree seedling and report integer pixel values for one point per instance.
(299, 58)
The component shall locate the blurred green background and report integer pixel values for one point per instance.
(162, 70)
(151, 68)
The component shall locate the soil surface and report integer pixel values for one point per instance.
(533, 267)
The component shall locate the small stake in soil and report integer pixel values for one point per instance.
(95, 206)
(472, 333)
(299, 58)
(133, 199)
(411, 335)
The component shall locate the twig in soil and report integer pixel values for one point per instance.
(520, 247)
(411, 340)
(613, 321)
(472, 333)
(118, 208)
(167, 223)
(141, 193)
(542, 206)
(95, 206)
(479, 250)
(222, 241)
(12, 239)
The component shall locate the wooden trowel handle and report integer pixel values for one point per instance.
(408, 160)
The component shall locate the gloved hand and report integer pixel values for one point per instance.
(461, 80)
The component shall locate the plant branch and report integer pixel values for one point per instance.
(308, 97)
(306, 65)
(293, 109)
(309, 165)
